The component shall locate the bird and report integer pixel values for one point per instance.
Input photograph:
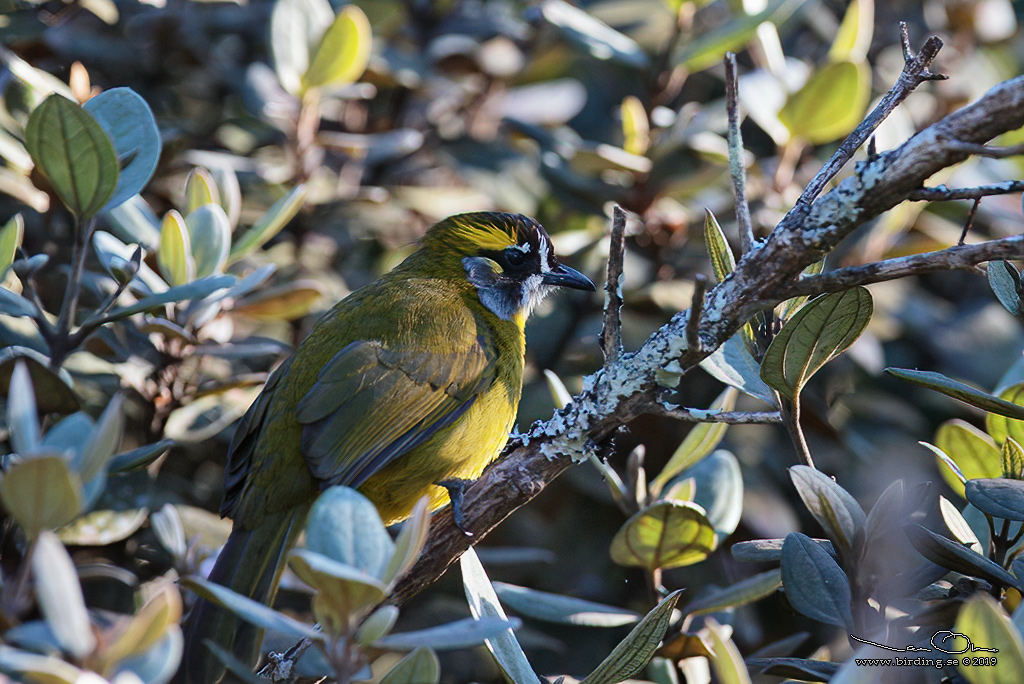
(407, 387)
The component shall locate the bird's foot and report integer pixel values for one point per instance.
(456, 490)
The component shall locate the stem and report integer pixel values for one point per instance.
(62, 342)
(791, 418)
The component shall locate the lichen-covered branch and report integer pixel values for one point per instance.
(621, 391)
(958, 256)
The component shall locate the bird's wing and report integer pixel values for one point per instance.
(240, 453)
(371, 404)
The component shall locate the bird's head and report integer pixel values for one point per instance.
(508, 258)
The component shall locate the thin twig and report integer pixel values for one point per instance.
(915, 72)
(959, 256)
(611, 333)
(691, 415)
(942, 193)
(969, 223)
(700, 286)
(987, 150)
(737, 170)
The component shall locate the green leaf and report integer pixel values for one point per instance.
(60, 596)
(52, 391)
(134, 222)
(824, 328)
(74, 153)
(296, 26)
(669, 534)
(700, 441)
(284, 302)
(105, 439)
(814, 583)
(345, 526)
(559, 394)
(633, 652)
(959, 391)
(22, 415)
(343, 52)
(988, 626)
(770, 550)
(200, 189)
(175, 254)
(344, 594)
(39, 668)
(41, 493)
(597, 38)
(722, 260)
(454, 635)
(800, 669)
(998, 497)
(409, 543)
(830, 104)
(236, 667)
(853, 39)
(831, 505)
(710, 47)
(252, 611)
(957, 525)
(197, 289)
(741, 593)
(957, 557)
(377, 625)
(1004, 280)
(269, 224)
(972, 450)
(636, 130)
(421, 666)
(1000, 426)
(719, 491)
(1013, 459)
(209, 232)
(131, 128)
(733, 365)
(11, 236)
(727, 662)
(140, 457)
(542, 605)
(229, 191)
(483, 603)
(15, 305)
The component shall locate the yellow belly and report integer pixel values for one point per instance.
(459, 452)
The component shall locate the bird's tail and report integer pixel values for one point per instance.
(250, 564)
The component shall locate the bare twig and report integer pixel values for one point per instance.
(690, 415)
(987, 150)
(915, 72)
(969, 223)
(611, 333)
(736, 168)
(700, 286)
(942, 193)
(959, 256)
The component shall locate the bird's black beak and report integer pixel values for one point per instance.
(563, 276)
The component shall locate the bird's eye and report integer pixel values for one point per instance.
(515, 256)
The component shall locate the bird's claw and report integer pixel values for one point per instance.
(456, 490)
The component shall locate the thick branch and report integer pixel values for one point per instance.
(618, 393)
